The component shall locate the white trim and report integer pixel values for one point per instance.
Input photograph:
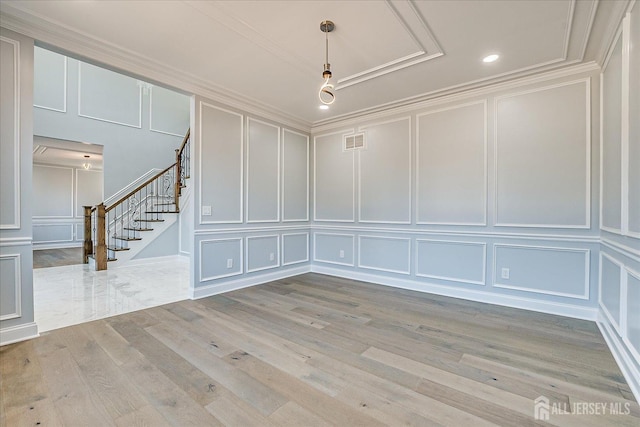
(567, 33)
(199, 156)
(278, 172)
(353, 248)
(551, 307)
(592, 16)
(126, 189)
(315, 180)
(587, 225)
(621, 249)
(371, 267)
(282, 237)
(587, 270)
(359, 169)
(487, 234)
(220, 276)
(136, 262)
(15, 241)
(73, 193)
(624, 128)
(486, 167)
(268, 267)
(625, 335)
(245, 282)
(138, 126)
(64, 94)
(74, 244)
(481, 282)
(17, 282)
(16, 135)
(608, 56)
(75, 188)
(603, 307)
(207, 231)
(617, 348)
(14, 334)
(284, 167)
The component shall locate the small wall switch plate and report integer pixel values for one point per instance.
(505, 273)
(206, 210)
(272, 256)
(229, 263)
(341, 253)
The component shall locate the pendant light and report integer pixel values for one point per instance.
(326, 90)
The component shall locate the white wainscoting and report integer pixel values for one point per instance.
(299, 244)
(11, 308)
(214, 255)
(263, 172)
(388, 254)
(220, 165)
(295, 176)
(451, 175)
(263, 252)
(50, 90)
(334, 248)
(451, 260)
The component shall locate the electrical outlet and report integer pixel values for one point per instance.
(272, 256)
(505, 273)
(206, 210)
(341, 253)
(230, 263)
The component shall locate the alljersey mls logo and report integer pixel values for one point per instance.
(542, 409)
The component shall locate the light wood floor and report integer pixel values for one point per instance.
(43, 258)
(313, 351)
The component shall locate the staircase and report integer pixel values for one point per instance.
(113, 232)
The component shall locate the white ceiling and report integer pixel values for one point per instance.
(271, 53)
(60, 152)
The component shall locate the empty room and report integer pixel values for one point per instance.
(320, 213)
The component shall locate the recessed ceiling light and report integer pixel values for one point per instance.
(491, 58)
(324, 107)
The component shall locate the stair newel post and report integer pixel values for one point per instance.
(101, 246)
(87, 247)
(178, 181)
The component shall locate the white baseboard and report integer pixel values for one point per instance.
(245, 282)
(41, 246)
(620, 354)
(151, 260)
(549, 307)
(18, 333)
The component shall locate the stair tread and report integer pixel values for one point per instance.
(138, 229)
(150, 220)
(128, 239)
(165, 204)
(112, 259)
(115, 249)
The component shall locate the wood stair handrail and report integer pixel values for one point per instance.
(138, 188)
(184, 142)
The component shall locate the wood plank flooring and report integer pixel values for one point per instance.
(315, 350)
(43, 258)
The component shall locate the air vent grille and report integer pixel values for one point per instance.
(354, 142)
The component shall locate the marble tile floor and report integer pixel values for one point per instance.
(73, 294)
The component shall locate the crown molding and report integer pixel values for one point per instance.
(88, 48)
(452, 94)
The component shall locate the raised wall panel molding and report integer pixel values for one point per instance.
(483, 275)
(483, 222)
(17, 285)
(68, 226)
(284, 182)
(137, 124)
(361, 264)
(14, 223)
(240, 118)
(587, 154)
(276, 263)
(315, 179)
(64, 83)
(635, 275)
(284, 248)
(315, 248)
(409, 167)
(71, 193)
(240, 254)
(582, 296)
(616, 324)
(153, 127)
(261, 161)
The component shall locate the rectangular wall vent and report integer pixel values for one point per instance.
(353, 142)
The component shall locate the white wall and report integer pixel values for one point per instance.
(138, 124)
(59, 194)
(619, 281)
(250, 199)
(487, 195)
(16, 145)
